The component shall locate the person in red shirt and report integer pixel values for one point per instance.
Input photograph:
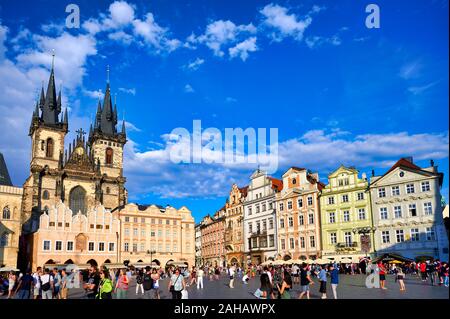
(423, 271)
(382, 273)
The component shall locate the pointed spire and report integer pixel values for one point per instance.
(42, 98)
(50, 110)
(124, 133)
(66, 117)
(36, 111)
(58, 102)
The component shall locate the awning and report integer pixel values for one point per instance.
(7, 269)
(114, 265)
(178, 263)
(143, 265)
(391, 257)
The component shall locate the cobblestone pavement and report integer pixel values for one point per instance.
(350, 287)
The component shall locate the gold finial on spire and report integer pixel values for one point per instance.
(53, 58)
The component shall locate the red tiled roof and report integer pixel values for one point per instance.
(276, 183)
(403, 162)
(244, 190)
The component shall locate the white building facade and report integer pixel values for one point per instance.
(407, 211)
(260, 234)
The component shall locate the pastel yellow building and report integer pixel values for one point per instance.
(153, 233)
(346, 217)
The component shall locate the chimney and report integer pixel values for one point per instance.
(373, 173)
(431, 163)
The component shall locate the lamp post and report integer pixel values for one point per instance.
(151, 252)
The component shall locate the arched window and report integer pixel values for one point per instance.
(6, 213)
(4, 240)
(45, 195)
(109, 155)
(49, 150)
(77, 200)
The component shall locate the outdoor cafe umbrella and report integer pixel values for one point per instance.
(266, 263)
(7, 269)
(278, 262)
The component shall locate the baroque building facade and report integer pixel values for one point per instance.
(346, 216)
(157, 234)
(234, 232)
(260, 232)
(213, 239)
(298, 215)
(407, 211)
(10, 207)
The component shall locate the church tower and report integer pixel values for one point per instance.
(106, 145)
(48, 129)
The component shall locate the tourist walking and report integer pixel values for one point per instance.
(382, 274)
(323, 282)
(56, 284)
(176, 284)
(232, 274)
(445, 267)
(122, 285)
(105, 286)
(400, 278)
(64, 281)
(139, 282)
(193, 276)
(147, 283)
(423, 271)
(266, 287)
(286, 285)
(334, 279)
(305, 281)
(296, 274)
(37, 283)
(155, 277)
(93, 280)
(24, 286)
(200, 274)
(11, 283)
(47, 285)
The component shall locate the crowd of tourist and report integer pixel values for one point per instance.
(276, 282)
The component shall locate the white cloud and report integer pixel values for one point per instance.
(131, 91)
(97, 94)
(121, 36)
(221, 33)
(416, 90)
(242, 49)
(410, 70)
(317, 41)
(230, 99)
(188, 88)
(194, 65)
(285, 24)
(121, 12)
(131, 127)
(3, 36)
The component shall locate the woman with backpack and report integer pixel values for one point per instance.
(105, 287)
(139, 282)
(122, 285)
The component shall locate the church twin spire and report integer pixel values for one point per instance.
(48, 109)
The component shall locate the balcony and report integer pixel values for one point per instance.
(259, 233)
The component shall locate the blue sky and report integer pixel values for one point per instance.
(337, 91)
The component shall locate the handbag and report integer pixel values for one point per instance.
(172, 287)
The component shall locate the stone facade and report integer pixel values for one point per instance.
(260, 232)
(298, 215)
(346, 216)
(407, 211)
(67, 238)
(10, 227)
(234, 232)
(151, 233)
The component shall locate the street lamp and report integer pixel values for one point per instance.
(363, 231)
(151, 252)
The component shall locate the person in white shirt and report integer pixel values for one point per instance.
(47, 285)
(37, 283)
(269, 274)
(232, 272)
(200, 274)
